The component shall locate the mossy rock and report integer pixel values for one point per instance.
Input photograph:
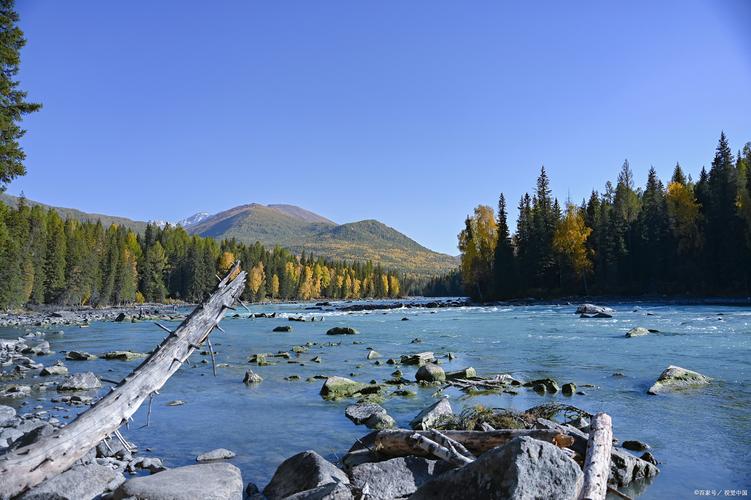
(340, 387)
(341, 330)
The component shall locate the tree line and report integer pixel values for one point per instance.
(689, 237)
(47, 260)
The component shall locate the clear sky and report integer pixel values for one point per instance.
(407, 112)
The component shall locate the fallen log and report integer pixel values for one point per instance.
(28, 466)
(446, 454)
(597, 462)
(398, 442)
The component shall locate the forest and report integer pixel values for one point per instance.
(47, 260)
(691, 237)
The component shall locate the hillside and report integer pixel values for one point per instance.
(301, 230)
(65, 213)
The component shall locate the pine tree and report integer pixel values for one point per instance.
(504, 265)
(13, 104)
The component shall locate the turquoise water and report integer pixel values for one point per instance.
(702, 437)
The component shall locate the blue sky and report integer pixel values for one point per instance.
(407, 112)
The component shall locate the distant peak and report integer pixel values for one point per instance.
(193, 219)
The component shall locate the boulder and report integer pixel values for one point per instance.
(637, 331)
(395, 478)
(341, 330)
(80, 382)
(57, 369)
(7, 415)
(568, 389)
(635, 445)
(465, 373)
(373, 354)
(421, 358)
(252, 378)
(331, 491)
(602, 315)
(592, 309)
(428, 417)
(340, 387)
(675, 378)
(543, 385)
(218, 454)
(215, 481)
(524, 468)
(374, 416)
(124, 355)
(78, 482)
(79, 356)
(430, 373)
(305, 471)
(120, 317)
(285, 328)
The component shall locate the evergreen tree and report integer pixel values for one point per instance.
(504, 266)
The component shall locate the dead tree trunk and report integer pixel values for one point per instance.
(597, 463)
(26, 467)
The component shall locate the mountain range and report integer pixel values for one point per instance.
(299, 230)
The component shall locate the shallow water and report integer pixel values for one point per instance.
(702, 437)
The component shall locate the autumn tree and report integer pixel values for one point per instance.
(569, 244)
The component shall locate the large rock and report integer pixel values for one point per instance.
(302, 472)
(331, 491)
(637, 331)
(124, 355)
(592, 309)
(57, 369)
(465, 373)
(216, 481)
(77, 483)
(374, 416)
(79, 356)
(218, 454)
(7, 415)
(430, 373)
(395, 478)
(427, 418)
(524, 468)
(421, 358)
(80, 382)
(340, 387)
(676, 378)
(341, 330)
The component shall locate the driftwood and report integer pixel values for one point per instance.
(445, 453)
(597, 463)
(28, 466)
(398, 442)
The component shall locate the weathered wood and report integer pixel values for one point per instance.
(432, 448)
(396, 442)
(28, 466)
(597, 462)
(451, 444)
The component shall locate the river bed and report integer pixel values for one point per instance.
(701, 437)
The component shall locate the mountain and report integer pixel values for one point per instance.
(193, 219)
(301, 230)
(65, 213)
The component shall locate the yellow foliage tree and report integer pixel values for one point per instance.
(684, 214)
(256, 278)
(393, 286)
(569, 242)
(225, 262)
(477, 244)
(275, 286)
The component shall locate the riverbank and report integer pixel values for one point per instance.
(51, 316)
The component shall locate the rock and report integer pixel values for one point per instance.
(79, 356)
(430, 373)
(592, 309)
(524, 468)
(373, 354)
(340, 387)
(215, 481)
(16, 391)
(676, 378)
(252, 378)
(648, 457)
(395, 478)
(405, 318)
(421, 358)
(124, 355)
(317, 359)
(7, 415)
(80, 382)
(543, 385)
(341, 330)
(79, 482)
(57, 369)
(331, 491)
(428, 417)
(151, 464)
(285, 328)
(374, 416)
(568, 389)
(637, 331)
(302, 472)
(602, 315)
(465, 373)
(218, 454)
(626, 468)
(635, 445)
(380, 421)
(120, 317)
(32, 436)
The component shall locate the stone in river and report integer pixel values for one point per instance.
(637, 331)
(568, 389)
(7, 415)
(87, 481)
(252, 378)
(419, 359)
(373, 354)
(635, 445)
(302, 472)
(80, 382)
(465, 373)
(340, 387)
(675, 378)
(124, 355)
(57, 369)
(592, 309)
(218, 454)
(430, 373)
(79, 356)
(523, 468)
(428, 417)
(341, 330)
(206, 481)
(395, 478)
(285, 328)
